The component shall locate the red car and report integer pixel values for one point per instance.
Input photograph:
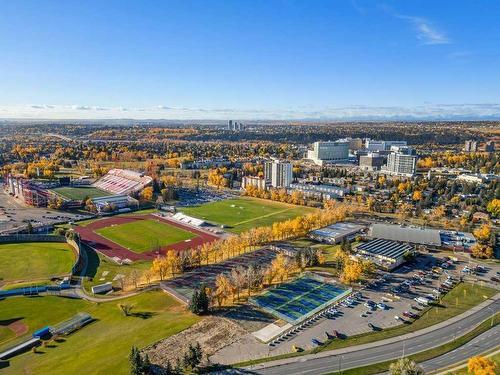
(410, 315)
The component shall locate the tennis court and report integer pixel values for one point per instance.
(301, 298)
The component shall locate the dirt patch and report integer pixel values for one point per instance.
(18, 327)
(212, 334)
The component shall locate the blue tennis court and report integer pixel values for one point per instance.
(296, 300)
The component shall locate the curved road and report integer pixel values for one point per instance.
(346, 360)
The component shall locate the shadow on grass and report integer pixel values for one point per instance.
(4, 364)
(143, 314)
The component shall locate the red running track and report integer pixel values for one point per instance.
(112, 249)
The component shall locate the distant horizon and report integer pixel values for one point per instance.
(426, 112)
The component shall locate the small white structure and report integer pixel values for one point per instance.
(102, 288)
(179, 216)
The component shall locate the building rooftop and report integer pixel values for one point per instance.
(338, 229)
(416, 235)
(385, 248)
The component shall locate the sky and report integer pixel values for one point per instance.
(250, 59)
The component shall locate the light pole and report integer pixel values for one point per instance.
(340, 364)
(492, 315)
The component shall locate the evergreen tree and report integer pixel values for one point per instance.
(135, 361)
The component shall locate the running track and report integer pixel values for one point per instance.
(112, 249)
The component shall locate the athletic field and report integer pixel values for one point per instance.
(101, 347)
(34, 260)
(79, 193)
(144, 235)
(243, 213)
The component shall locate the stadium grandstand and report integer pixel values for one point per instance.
(123, 181)
(179, 216)
(33, 193)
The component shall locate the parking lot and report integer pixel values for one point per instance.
(15, 214)
(385, 297)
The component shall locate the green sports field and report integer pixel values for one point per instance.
(144, 235)
(34, 260)
(80, 193)
(102, 347)
(243, 213)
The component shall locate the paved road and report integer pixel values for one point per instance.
(321, 365)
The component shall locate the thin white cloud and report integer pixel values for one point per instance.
(426, 31)
(422, 112)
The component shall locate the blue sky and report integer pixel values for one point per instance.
(249, 59)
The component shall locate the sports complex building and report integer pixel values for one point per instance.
(301, 298)
(430, 238)
(385, 253)
(336, 233)
(113, 190)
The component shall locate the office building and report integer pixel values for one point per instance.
(371, 162)
(278, 173)
(320, 191)
(374, 145)
(470, 146)
(230, 125)
(402, 161)
(329, 152)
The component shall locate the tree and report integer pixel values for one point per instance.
(192, 358)
(405, 366)
(482, 251)
(135, 360)
(147, 193)
(483, 233)
(126, 309)
(481, 366)
(352, 272)
(494, 207)
(417, 195)
(223, 288)
(199, 301)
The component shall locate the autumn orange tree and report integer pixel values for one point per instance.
(479, 365)
(352, 271)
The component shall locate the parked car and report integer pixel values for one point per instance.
(316, 342)
(382, 306)
(409, 314)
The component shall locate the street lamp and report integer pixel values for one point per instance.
(492, 315)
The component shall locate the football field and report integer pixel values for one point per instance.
(240, 214)
(144, 235)
(79, 193)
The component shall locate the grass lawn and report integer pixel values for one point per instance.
(34, 260)
(101, 347)
(101, 269)
(145, 235)
(80, 193)
(244, 213)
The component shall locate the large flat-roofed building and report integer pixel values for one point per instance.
(414, 235)
(374, 145)
(470, 146)
(385, 253)
(371, 162)
(320, 191)
(336, 233)
(329, 152)
(258, 182)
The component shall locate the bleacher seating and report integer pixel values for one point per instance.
(179, 216)
(123, 181)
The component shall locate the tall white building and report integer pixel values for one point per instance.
(374, 145)
(329, 152)
(278, 173)
(402, 161)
